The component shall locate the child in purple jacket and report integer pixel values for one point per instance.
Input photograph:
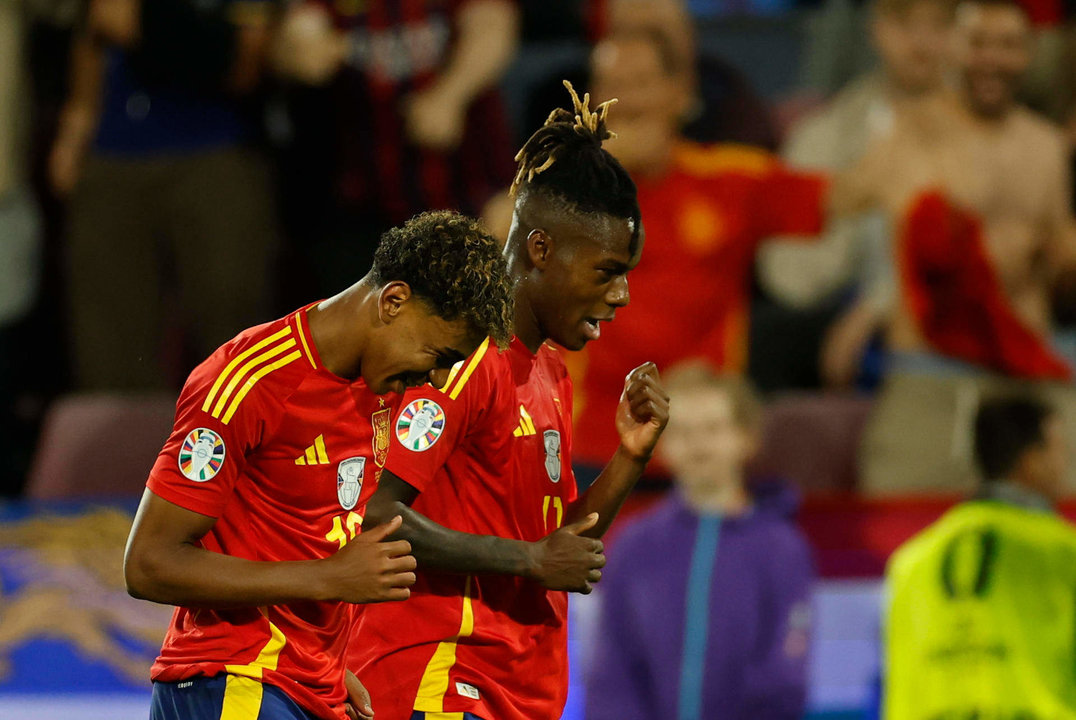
(705, 600)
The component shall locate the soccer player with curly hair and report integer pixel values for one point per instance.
(480, 469)
(250, 521)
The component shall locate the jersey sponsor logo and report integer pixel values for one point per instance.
(349, 481)
(202, 455)
(526, 425)
(381, 420)
(552, 454)
(420, 425)
(468, 691)
(316, 454)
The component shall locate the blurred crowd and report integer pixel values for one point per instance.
(837, 198)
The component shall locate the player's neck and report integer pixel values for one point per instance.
(525, 324)
(337, 331)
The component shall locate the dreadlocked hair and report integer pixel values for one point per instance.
(565, 158)
(453, 265)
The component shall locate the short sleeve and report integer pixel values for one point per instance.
(207, 451)
(432, 422)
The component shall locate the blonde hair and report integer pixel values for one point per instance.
(692, 375)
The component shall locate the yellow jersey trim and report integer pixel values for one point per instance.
(243, 688)
(253, 380)
(466, 374)
(238, 359)
(434, 685)
(302, 339)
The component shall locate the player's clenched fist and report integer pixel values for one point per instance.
(563, 560)
(370, 569)
(643, 411)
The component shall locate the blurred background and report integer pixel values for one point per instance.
(862, 207)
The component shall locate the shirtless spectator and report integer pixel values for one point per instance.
(977, 189)
(810, 281)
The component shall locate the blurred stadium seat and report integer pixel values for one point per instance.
(813, 439)
(99, 445)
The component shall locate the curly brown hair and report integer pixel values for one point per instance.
(453, 265)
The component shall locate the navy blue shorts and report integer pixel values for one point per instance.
(216, 698)
(440, 716)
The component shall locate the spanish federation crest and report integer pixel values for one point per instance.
(420, 425)
(552, 454)
(381, 420)
(202, 455)
(349, 481)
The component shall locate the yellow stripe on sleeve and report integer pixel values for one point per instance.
(323, 456)
(434, 685)
(302, 339)
(238, 359)
(466, 374)
(254, 381)
(242, 373)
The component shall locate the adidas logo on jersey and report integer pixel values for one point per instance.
(315, 454)
(526, 425)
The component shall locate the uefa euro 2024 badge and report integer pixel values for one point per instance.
(420, 425)
(202, 455)
(552, 454)
(349, 481)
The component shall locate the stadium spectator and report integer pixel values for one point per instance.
(810, 282)
(977, 189)
(168, 202)
(704, 209)
(409, 119)
(981, 605)
(721, 628)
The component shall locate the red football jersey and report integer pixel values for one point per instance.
(491, 453)
(704, 220)
(285, 455)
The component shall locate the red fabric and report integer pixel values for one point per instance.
(1044, 13)
(481, 477)
(397, 48)
(691, 291)
(956, 299)
(270, 508)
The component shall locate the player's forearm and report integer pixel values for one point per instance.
(436, 547)
(488, 35)
(193, 577)
(609, 491)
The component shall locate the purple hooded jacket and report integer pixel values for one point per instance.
(732, 648)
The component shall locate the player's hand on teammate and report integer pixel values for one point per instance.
(371, 569)
(643, 411)
(358, 705)
(563, 560)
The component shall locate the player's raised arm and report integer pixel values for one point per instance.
(641, 417)
(165, 564)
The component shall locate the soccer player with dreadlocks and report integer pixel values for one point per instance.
(480, 470)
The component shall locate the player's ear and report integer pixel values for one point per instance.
(539, 248)
(391, 301)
